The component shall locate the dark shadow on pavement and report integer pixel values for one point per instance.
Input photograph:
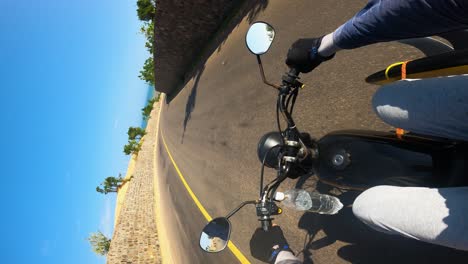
(366, 245)
(190, 105)
(246, 8)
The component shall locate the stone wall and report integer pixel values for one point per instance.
(185, 30)
(182, 28)
(135, 238)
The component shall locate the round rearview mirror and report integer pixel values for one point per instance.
(259, 37)
(215, 236)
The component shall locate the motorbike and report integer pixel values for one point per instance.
(347, 159)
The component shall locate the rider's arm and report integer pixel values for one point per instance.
(379, 21)
(387, 20)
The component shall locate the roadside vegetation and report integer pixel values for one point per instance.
(112, 184)
(146, 10)
(146, 111)
(135, 134)
(100, 244)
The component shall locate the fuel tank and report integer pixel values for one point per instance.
(363, 159)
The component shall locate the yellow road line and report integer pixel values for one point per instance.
(207, 216)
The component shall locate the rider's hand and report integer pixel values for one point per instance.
(265, 245)
(303, 55)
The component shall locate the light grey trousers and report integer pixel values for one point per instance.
(438, 107)
(435, 106)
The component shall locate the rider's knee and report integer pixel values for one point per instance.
(387, 104)
(364, 203)
(368, 207)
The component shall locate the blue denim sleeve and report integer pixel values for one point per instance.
(387, 20)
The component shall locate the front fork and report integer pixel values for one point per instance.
(300, 152)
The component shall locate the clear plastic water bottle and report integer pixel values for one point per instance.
(303, 200)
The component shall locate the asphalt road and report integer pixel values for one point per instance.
(213, 124)
(182, 220)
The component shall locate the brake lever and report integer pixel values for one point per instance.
(291, 79)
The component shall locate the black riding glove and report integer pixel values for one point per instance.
(265, 245)
(303, 55)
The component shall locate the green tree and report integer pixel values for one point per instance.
(146, 111)
(270, 32)
(135, 133)
(100, 244)
(133, 147)
(147, 73)
(148, 30)
(146, 10)
(111, 184)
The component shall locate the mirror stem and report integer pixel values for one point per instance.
(262, 73)
(239, 207)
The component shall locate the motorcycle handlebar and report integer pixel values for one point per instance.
(290, 79)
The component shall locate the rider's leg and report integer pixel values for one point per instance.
(437, 216)
(435, 106)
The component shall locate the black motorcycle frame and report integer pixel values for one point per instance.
(342, 158)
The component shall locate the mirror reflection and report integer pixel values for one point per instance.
(259, 37)
(215, 235)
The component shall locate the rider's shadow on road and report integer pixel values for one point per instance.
(365, 245)
(190, 105)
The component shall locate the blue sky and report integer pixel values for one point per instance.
(70, 90)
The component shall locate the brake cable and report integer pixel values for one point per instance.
(263, 169)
